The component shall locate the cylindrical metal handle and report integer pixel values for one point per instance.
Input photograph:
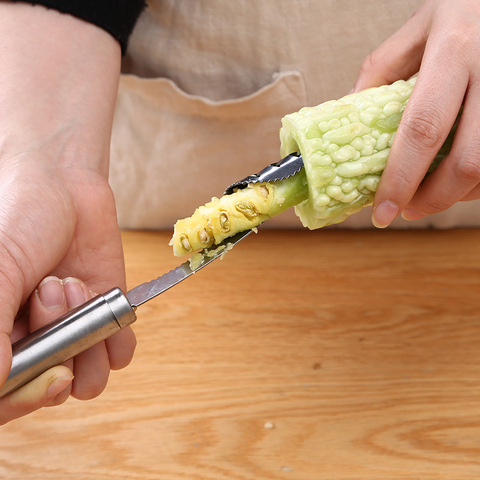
(68, 336)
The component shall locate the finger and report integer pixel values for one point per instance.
(91, 367)
(473, 195)
(10, 299)
(459, 173)
(399, 57)
(428, 118)
(121, 348)
(48, 303)
(43, 391)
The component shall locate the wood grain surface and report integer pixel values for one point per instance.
(327, 355)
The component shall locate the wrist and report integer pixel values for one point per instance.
(58, 86)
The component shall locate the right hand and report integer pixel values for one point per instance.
(441, 42)
(57, 212)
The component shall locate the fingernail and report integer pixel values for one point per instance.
(384, 214)
(50, 292)
(412, 214)
(76, 292)
(58, 385)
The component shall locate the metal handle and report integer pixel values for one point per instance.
(68, 336)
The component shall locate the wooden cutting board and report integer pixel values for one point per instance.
(327, 355)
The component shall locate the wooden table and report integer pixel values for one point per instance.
(327, 355)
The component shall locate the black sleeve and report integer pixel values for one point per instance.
(117, 17)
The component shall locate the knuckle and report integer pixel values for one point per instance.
(434, 205)
(422, 130)
(401, 182)
(455, 38)
(459, 38)
(468, 169)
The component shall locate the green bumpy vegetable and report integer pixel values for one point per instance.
(345, 145)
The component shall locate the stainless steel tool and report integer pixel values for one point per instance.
(93, 322)
(107, 314)
(284, 168)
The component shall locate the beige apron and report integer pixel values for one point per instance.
(206, 82)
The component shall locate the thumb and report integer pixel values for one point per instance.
(398, 57)
(45, 390)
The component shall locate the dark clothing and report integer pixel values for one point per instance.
(117, 17)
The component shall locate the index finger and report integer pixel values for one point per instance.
(428, 118)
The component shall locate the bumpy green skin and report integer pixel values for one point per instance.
(345, 146)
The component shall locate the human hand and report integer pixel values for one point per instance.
(441, 42)
(51, 299)
(57, 212)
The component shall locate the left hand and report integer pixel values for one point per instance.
(441, 41)
(57, 211)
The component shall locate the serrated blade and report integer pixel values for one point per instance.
(146, 291)
(284, 168)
